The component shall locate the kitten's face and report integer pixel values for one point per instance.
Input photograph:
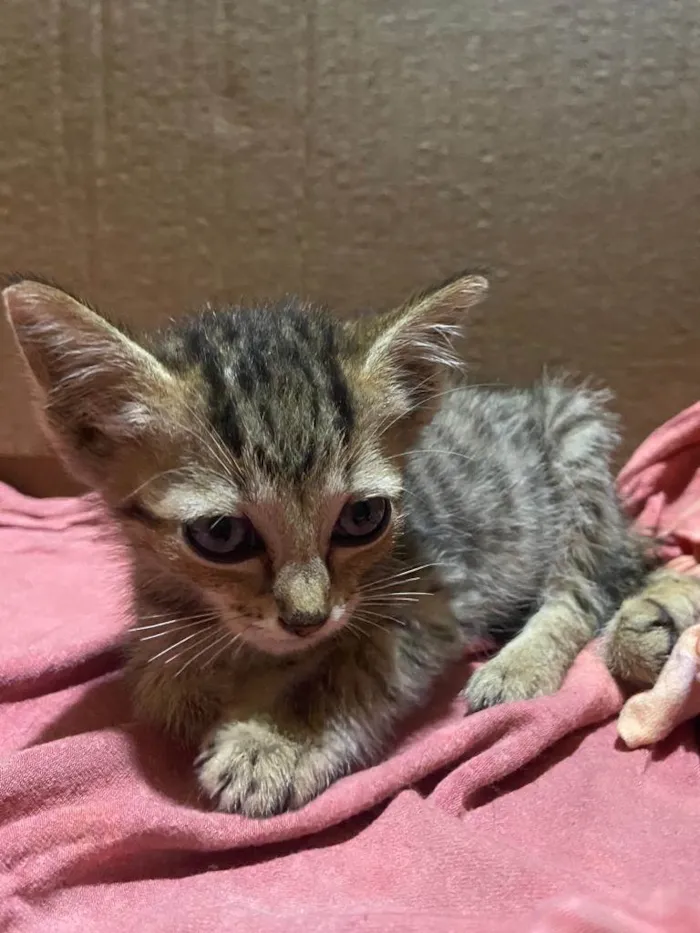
(254, 457)
(282, 487)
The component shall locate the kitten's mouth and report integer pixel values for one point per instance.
(271, 637)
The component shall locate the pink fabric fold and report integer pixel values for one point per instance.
(661, 486)
(529, 817)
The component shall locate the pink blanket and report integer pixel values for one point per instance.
(530, 817)
(661, 487)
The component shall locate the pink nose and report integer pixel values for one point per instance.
(303, 624)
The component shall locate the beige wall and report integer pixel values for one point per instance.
(158, 153)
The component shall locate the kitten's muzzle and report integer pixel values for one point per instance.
(303, 624)
(302, 593)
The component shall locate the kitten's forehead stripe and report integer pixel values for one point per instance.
(275, 383)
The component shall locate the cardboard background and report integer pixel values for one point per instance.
(158, 153)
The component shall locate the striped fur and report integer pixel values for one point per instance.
(505, 525)
(273, 379)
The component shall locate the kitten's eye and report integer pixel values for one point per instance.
(223, 539)
(362, 521)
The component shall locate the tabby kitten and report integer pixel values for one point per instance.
(318, 527)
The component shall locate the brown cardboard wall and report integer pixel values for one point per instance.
(158, 153)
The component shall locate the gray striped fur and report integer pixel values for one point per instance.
(506, 525)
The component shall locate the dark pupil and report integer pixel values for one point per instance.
(220, 529)
(361, 513)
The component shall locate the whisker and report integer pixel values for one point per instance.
(201, 637)
(462, 387)
(211, 644)
(382, 586)
(169, 631)
(383, 428)
(396, 576)
(203, 618)
(354, 630)
(370, 622)
(152, 479)
(215, 445)
(379, 615)
(229, 645)
(388, 593)
(177, 645)
(159, 615)
(208, 434)
(206, 640)
(387, 596)
(377, 601)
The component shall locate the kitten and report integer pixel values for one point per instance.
(319, 528)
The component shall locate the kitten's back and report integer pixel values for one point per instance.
(492, 492)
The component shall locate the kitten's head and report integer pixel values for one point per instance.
(253, 456)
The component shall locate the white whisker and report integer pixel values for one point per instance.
(374, 587)
(176, 645)
(462, 387)
(169, 631)
(379, 615)
(205, 617)
(366, 621)
(234, 639)
(206, 640)
(159, 615)
(396, 576)
(210, 644)
(215, 446)
(391, 594)
(386, 593)
(152, 479)
(376, 601)
(351, 628)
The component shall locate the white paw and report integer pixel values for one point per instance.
(248, 768)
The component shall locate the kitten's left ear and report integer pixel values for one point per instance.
(90, 380)
(416, 340)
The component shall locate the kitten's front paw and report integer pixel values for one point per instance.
(514, 674)
(248, 768)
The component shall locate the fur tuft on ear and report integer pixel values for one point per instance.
(424, 329)
(91, 382)
(410, 349)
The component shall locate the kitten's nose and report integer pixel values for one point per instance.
(303, 623)
(302, 593)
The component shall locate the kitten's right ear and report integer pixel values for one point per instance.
(408, 350)
(93, 385)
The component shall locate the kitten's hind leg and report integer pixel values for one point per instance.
(639, 637)
(536, 661)
(594, 563)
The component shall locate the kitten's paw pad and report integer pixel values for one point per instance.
(507, 678)
(248, 769)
